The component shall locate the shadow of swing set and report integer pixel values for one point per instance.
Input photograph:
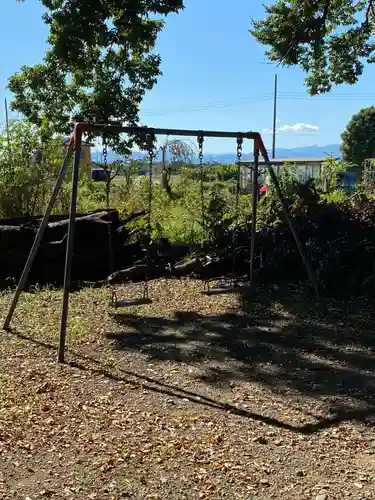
(74, 148)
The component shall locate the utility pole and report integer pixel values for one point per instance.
(274, 119)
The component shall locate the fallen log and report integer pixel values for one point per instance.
(35, 220)
(200, 266)
(189, 267)
(139, 272)
(134, 273)
(92, 227)
(89, 234)
(19, 237)
(133, 216)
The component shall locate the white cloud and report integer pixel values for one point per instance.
(296, 128)
(299, 127)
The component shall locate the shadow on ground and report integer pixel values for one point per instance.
(330, 356)
(316, 355)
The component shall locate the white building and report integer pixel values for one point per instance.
(307, 168)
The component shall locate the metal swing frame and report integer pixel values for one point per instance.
(74, 147)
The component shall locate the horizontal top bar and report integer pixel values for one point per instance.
(116, 129)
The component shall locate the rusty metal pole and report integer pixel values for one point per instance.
(274, 119)
(288, 219)
(255, 171)
(38, 237)
(70, 245)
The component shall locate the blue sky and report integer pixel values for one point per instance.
(212, 76)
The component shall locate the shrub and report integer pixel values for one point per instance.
(28, 168)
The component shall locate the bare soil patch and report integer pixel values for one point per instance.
(190, 397)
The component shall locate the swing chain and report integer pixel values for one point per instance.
(151, 155)
(200, 140)
(239, 147)
(237, 202)
(113, 294)
(238, 177)
(200, 148)
(105, 154)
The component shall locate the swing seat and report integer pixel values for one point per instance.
(220, 290)
(131, 302)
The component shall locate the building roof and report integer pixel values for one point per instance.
(280, 161)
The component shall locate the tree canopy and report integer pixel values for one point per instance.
(329, 39)
(358, 139)
(98, 66)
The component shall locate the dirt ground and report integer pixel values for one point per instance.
(190, 397)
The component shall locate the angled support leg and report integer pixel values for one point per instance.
(301, 250)
(38, 237)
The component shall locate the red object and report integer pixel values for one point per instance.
(264, 189)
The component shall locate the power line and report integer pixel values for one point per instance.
(222, 101)
(209, 105)
(255, 100)
(337, 97)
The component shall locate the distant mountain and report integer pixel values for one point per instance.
(310, 152)
(300, 152)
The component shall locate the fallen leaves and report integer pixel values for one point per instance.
(260, 439)
(116, 427)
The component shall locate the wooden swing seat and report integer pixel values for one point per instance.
(220, 290)
(117, 304)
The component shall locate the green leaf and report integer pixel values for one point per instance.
(98, 67)
(358, 139)
(329, 39)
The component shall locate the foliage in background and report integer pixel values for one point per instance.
(330, 169)
(334, 196)
(323, 188)
(270, 208)
(28, 167)
(328, 39)
(358, 139)
(365, 189)
(210, 172)
(181, 219)
(180, 153)
(98, 66)
(178, 219)
(25, 186)
(287, 180)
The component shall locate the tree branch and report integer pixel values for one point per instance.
(294, 42)
(327, 6)
(369, 10)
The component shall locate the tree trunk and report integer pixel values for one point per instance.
(165, 176)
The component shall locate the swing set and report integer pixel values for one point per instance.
(74, 148)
